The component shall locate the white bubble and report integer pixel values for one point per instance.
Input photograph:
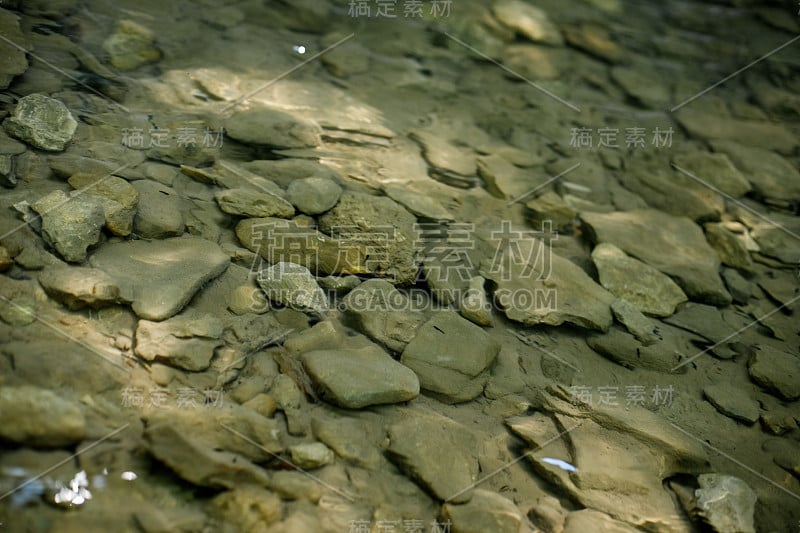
(299, 48)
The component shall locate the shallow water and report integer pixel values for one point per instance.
(584, 217)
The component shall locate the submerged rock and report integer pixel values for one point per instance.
(32, 416)
(70, 224)
(726, 503)
(778, 372)
(162, 275)
(131, 46)
(451, 356)
(181, 341)
(356, 378)
(674, 245)
(78, 287)
(12, 60)
(313, 195)
(42, 122)
(485, 511)
(118, 198)
(293, 285)
(437, 453)
(274, 128)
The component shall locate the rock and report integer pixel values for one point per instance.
(716, 325)
(277, 240)
(384, 314)
(731, 249)
(6, 261)
(451, 356)
(284, 171)
(356, 440)
(420, 205)
(42, 122)
(291, 486)
(310, 455)
(760, 134)
(595, 521)
(245, 508)
(503, 179)
(725, 503)
(485, 511)
(339, 285)
(12, 60)
(641, 86)
(447, 470)
(771, 175)
(356, 378)
(475, 307)
(31, 416)
(634, 321)
(208, 456)
(529, 21)
(732, 402)
(314, 195)
(738, 286)
(162, 275)
(777, 372)
(78, 287)
(595, 40)
(293, 285)
(444, 155)
(776, 238)
(70, 224)
(273, 128)
(248, 299)
(660, 356)
(549, 206)
(534, 62)
(537, 286)
(159, 214)
(131, 46)
(118, 198)
(716, 170)
(181, 341)
(250, 203)
(647, 289)
(382, 226)
(785, 453)
(8, 177)
(674, 245)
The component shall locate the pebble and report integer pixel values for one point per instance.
(131, 46)
(70, 224)
(39, 417)
(313, 195)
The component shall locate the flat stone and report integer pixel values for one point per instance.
(12, 60)
(250, 203)
(485, 511)
(714, 324)
(731, 250)
(451, 356)
(356, 440)
(159, 213)
(32, 416)
(674, 245)
(738, 286)
(444, 155)
(421, 205)
(777, 372)
(356, 378)
(381, 225)
(760, 134)
(771, 175)
(200, 450)
(715, 170)
(131, 46)
(732, 402)
(663, 355)
(647, 289)
(78, 287)
(641, 85)
(725, 503)
(181, 341)
(447, 470)
(527, 20)
(245, 508)
(383, 313)
(70, 224)
(248, 299)
(293, 285)
(595, 40)
(313, 195)
(162, 275)
(118, 198)
(634, 321)
(42, 122)
(271, 127)
(549, 206)
(537, 286)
